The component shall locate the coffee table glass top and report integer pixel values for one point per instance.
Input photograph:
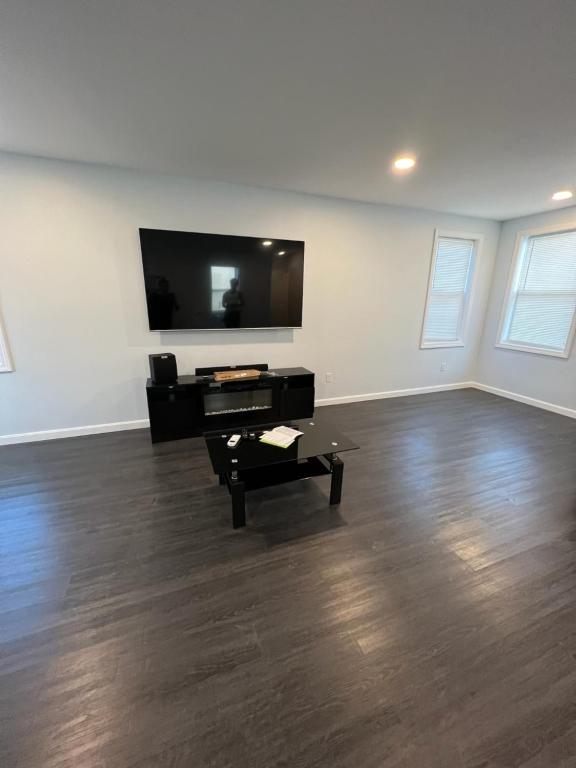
(319, 439)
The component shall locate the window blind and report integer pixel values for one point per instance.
(542, 301)
(448, 293)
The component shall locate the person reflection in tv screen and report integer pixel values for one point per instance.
(233, 301)
(161, 306)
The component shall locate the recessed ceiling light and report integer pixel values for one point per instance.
(563, 194)
(404, 163)
(281, 253)
(266, 242)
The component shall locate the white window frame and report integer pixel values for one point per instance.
(6, 364)
(521, 240)
(468, 295)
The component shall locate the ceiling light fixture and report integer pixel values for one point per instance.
(266, 242)
(404, 163)
(563, 194)
(281, 253)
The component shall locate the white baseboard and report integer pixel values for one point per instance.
(56, 434)
(570, 412)
(119, 426)
(393, 393)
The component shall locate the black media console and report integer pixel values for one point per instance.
(193, 405)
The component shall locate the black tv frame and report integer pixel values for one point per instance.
(202, 329)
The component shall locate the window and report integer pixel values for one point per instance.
(539, 313)
(449, 290)
(5, 361)
(220, 277)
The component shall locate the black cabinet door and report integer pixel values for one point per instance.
(297, 403)
(174, 413)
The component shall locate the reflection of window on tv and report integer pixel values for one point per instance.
(227, 296)
(220, 283)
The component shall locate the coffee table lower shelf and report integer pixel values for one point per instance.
(243, 480)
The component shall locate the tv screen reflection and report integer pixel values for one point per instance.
(202, 281)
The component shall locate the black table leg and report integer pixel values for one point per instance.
(238, 502)
(337, 467)
(222, 478)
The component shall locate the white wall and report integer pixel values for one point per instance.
(541, 377)
(72, 293)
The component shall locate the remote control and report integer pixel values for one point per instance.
(233, 442)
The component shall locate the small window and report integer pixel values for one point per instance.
(539, 312)
(449, 289)
(5, 361)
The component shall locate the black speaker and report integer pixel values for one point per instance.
(163, 369)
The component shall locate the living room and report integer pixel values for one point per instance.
(169, 599)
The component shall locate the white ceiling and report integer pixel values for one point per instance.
(307, 95)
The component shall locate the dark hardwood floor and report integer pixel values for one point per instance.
(429, 622)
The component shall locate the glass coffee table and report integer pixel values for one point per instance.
(252, 464)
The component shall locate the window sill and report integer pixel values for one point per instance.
(440, 344)
(564, 354)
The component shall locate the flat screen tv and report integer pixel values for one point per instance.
(197, 281)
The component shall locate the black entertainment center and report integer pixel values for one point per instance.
(193, 405)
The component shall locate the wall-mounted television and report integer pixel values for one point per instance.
(198, 281)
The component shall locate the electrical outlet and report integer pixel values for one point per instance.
(329, 377)
(443, 365)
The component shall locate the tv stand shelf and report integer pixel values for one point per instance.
(285, 472)
(193, 405)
